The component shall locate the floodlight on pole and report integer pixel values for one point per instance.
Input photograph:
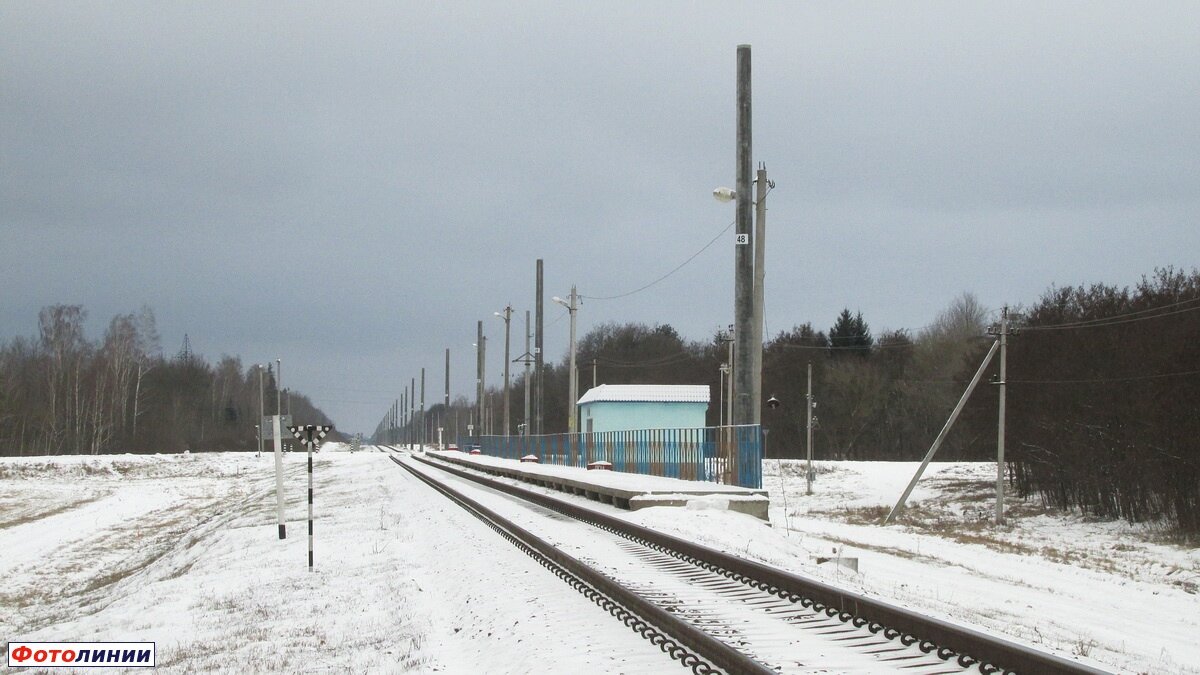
(724, 194)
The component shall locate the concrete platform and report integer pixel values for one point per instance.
(623, 490)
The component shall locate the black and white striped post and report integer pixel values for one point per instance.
(305, 434)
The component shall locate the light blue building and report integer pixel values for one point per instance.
(624, 407)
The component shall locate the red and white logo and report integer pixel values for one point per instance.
(81, 654)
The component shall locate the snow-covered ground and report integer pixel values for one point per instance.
(1121, 595)
(182, 550)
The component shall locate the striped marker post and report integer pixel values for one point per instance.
(305, 434)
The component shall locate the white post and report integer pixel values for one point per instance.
(278, 385)
(279, 477)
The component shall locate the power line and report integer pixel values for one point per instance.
(892, 345)
(681, 265)
(677, 268)
(1095, 380)
(1116, 319)
(660, 361)
(1109, 379)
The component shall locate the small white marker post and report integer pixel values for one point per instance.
(305, 434)
(279, 476)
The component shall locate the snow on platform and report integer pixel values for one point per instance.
(624, 490)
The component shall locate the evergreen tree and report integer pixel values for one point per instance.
(850, 334)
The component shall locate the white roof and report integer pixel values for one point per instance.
(657, 393)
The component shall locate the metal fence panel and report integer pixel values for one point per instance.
(729, 455)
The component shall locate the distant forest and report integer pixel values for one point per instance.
(1103, 391)
(1103, 405)
(61, 394)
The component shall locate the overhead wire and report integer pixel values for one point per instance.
(1107, 379)
(659, 361)
(1118, 319)
(560, 317)
(845, 348)
(663, 277)
(678, 267)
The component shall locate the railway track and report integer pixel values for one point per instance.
(714, 612)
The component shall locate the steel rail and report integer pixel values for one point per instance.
(951, 642)
(640, 614)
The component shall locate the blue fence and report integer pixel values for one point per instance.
(728, 455)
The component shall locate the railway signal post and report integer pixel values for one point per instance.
(311, 436)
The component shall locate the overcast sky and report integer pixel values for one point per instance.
(351, 186)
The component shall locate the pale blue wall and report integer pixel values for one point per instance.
(626, 415)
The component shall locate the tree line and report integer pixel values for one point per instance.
(1103, 391)
(1104, 400)
(63, 394)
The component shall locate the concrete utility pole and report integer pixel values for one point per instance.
(538, 351)
(937, 442)
(424, 436)
(400, 417)
(277, 429)
(743, 294)
(262, 412)
(724, 368)
(526, 359)
(1000, 427)
(760, 244)
(479, 375)
(412, 409)
(507, 316)
(573, 375)
(279, 463)
(446, 401)
(729, 380)
(808, 399)
(483, 383)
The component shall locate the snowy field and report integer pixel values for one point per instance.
(182, 550)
